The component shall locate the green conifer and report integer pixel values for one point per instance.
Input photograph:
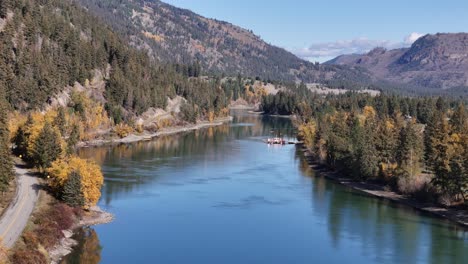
(47, 147)
(72, 193)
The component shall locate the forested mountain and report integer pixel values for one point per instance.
(176, 35)
(48, 45)
(433, 61)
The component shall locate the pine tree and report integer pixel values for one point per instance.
(409, 150)
(367, 159)
(21, 142)
(47, 147)
(60, 121)
(459, 119)
(73, 139)
(6, 164)
(440, 155)
(72, 193)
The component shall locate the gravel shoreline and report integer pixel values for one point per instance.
(458, 216)
(145, 136)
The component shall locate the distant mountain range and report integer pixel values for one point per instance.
(434, 64)
(437, 61)
(175, 35)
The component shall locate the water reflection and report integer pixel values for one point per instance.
(127, 167)
(221, 195)
(385, 231)
(88, 250)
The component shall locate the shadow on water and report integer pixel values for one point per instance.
(88, 250)
(404, 234)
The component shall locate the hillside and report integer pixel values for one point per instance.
(176, 35)
(49, 47)
(434, 61)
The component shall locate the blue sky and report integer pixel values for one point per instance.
(320, 30)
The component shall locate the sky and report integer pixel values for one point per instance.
(321, 30)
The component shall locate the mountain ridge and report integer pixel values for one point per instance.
(176, 35)
(434, 61)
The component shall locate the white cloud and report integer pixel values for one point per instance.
(411, 38)
(325, 51)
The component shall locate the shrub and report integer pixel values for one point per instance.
(123, 130)
(412, 185)
(30, 239)
(63, 215)
(49, 233)
(28, 256)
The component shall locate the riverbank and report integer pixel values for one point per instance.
(457, 216)
(146, 136)
(95, 216)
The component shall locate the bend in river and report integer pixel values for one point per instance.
(221, 195)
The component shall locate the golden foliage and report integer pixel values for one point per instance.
(211, 116)
(15, 121)
(139, 128)
(123, 130)
(91, 251)
(369, 112)
(166, 122)
(34, 128)
(157, 38)
(94, 115)
(91, 176)
(223, 112)
(388, 169)
(307, 133)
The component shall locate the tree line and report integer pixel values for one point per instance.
(417, 146)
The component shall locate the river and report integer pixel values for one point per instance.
(221, 195)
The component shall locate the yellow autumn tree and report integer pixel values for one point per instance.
(211, 116)
(369, 112)
(306, 132)
(31, 129)
(91, 177)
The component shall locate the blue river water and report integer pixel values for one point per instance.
(221, 195)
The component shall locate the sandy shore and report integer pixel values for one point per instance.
(458, 216)
(242, 107)
(95, 216)
(145, 136)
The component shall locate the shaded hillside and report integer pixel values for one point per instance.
(180, 36)
(433, 61)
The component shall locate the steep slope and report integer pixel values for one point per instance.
(434, 61)
(180, 36)
(49, 45)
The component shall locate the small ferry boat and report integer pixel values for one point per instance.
(276, 141)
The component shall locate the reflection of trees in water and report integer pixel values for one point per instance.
(385, 229)
(128, 167)
(88, 250)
